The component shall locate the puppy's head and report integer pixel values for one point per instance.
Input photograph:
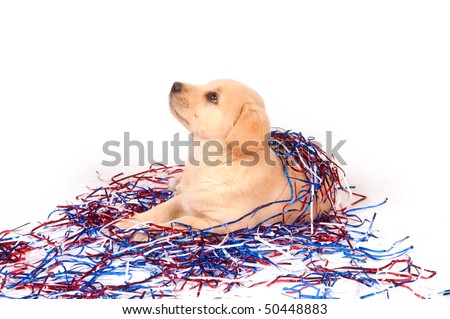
(222, 110)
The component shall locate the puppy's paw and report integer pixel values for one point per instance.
(126, 224)
(129, 225)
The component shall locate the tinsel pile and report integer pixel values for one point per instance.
(79, 252)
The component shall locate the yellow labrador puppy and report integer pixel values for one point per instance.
(234, 180)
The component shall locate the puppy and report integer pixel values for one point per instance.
(233, 179)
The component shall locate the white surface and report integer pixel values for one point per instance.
(74, 75)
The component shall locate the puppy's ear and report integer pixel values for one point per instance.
(252, 125)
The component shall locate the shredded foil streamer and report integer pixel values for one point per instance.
(79, 253)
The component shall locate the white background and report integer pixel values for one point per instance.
(76, 74)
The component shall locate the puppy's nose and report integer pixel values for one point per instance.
(176, 87)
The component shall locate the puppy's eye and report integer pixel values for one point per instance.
(212, 97)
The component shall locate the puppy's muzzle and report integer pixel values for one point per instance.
(178, 103)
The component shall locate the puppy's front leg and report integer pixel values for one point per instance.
(197, 223)
(159, 214)
(174, 184)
